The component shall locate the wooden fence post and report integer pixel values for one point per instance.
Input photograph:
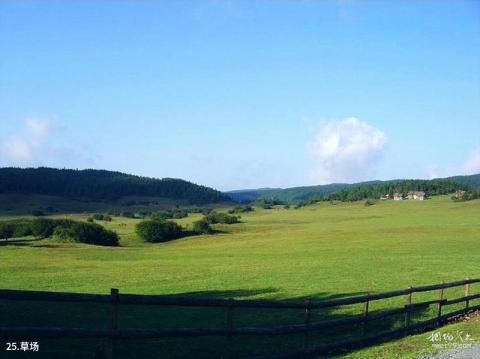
(467, 293)
(113, 322)
(365, 317)
(408, 310)
(308, 312)
(440, 298)
(230, 327)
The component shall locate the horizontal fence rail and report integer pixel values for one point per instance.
(196, 302)
(115, 299)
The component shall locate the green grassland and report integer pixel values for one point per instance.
(316, 252)
(14, 204)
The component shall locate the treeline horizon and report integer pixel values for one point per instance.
(377, 190)
(101, 184)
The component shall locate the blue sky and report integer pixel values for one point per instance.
(243, 94)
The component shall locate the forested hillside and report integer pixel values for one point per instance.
(379, 189)
(250, 195)
(362, 190)
(287, 195)
(473, 180)
(101, 184)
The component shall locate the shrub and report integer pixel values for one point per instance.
(89, 233)
(215, 217)
(15, 228)
(167, 214)
(241, 209)
(466, 195)
(100, 217)
(202, 226)
(42, 227)
(128, 214)
(21, 227)
(180, 214)
(206, 211)
(37, 213)
(369, 202)
(64, 233)
(6, 230)
(63, 229)
(267, 203)
(158, 230)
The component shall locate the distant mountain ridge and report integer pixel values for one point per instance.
(304, 193)
(101, 184)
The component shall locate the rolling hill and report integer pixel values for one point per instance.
(472, 180)
(305, 193)
(101, 185)
(249, 195)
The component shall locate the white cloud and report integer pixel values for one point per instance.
(16, 149)
(346, 151)
(472, 165)
(38, 129)
(34, 145)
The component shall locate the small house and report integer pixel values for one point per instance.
(416, 195)
(459, 194)
(419, 195)
(397, 196)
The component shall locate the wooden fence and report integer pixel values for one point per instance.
(115, 299)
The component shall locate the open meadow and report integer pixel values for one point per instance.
(316, 252)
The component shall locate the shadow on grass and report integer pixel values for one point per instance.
(20, 242)
(96, 316)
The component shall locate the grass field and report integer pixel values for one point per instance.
(315, 252)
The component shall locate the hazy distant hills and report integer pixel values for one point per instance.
(249, 195)
(299, 194)
(101, 185)
(294, 194)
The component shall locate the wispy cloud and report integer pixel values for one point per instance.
(16, 149)
(346, 151)
(33, 145)
(38, 129)
(472, 164)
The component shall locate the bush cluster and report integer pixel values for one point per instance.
(63, 229)
(369, 202)
(241, 209)
(267, 203)
(202, 227)
(158, 230)
(128, 214)
(99, 217)
(216, 217)
(90, 233)
(467, 195)
(170, 214)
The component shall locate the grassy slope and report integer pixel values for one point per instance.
(323, 248)
(316, 252)
(23, 204)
